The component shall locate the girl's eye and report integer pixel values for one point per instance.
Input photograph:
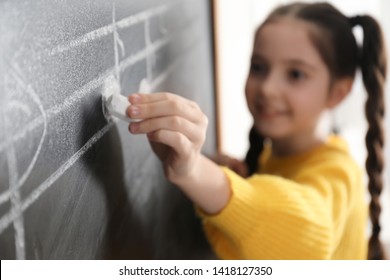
(296, 74)
(258, 68)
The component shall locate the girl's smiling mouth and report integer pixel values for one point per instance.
(268, 112)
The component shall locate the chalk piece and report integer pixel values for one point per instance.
(116, 105)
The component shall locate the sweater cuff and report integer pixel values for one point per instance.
(236, 217)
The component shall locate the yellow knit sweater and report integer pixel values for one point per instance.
(309, 206)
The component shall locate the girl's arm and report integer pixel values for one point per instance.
(176, 129)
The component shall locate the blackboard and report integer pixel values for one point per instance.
(74, 185)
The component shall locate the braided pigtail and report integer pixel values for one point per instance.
(373, 67)
(256, 145)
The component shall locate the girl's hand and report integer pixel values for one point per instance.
(175, 127)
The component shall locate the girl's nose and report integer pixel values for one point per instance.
(269, 86)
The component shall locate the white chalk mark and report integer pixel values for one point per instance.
(14, 182)
(11, 106)
(106, 30)
(144, 86)
(15, 199)
(36, 99)
(89, 87)
(18, 222)
(115, 45)
(15, 204)
(21, 133)
(15, 105)
(99, 81)
(149, 67)
(114, 105)
(121, 45)
(7, 219)
(158, 44)
(4, 197)
(12, 167)
(117, 41)
(79, 94)
(91, 36)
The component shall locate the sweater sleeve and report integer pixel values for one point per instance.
(269, 217)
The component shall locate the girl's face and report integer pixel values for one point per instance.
(288, 84)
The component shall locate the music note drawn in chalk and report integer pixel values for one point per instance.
(21, 94)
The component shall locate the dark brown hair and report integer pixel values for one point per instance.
(333, 37)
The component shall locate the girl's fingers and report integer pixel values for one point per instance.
(145, 106)
(173, 123)
(177, 141)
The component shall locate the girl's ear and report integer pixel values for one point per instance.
(339, 91)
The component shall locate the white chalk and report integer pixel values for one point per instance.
(114, 104)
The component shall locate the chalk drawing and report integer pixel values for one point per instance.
(14, 194)
(148, 84)
(15, 74)
(15, 203)
(7, 219)
(4, 197)
(93, 84)
(29, 90)
(15, 182)
(144, 86)
(16, 105)
(81, 93)
(110, 86)
(149, 66)
(13, 173)
(15, 200)
(117, 41)
(12, 106)
(106, 30)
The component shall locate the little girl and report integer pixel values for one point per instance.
(305, 197)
